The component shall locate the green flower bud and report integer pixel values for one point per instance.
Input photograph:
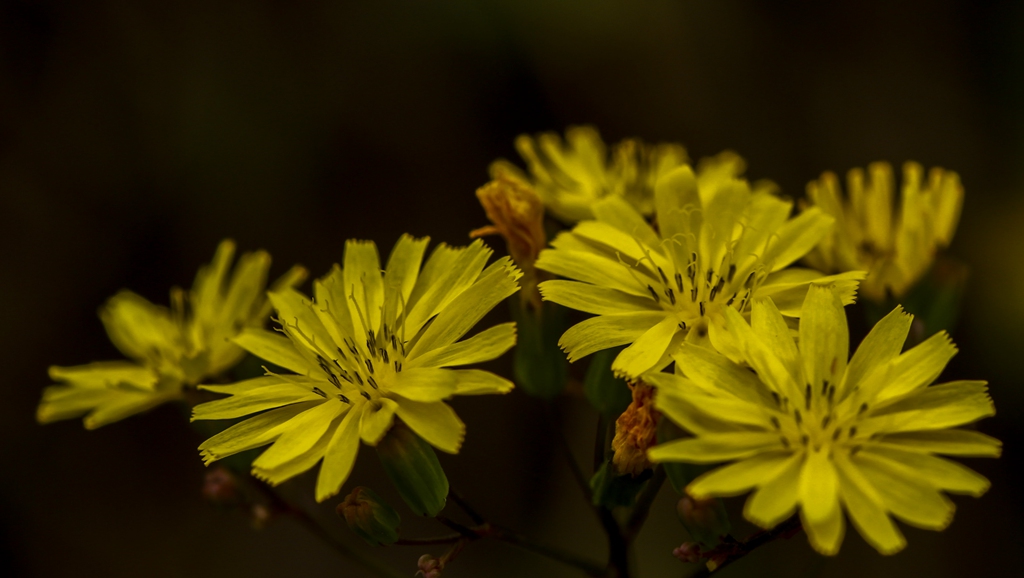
(370, 516)
(412, 466)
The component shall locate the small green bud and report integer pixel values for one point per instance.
(370, 516)
(412, 466)
(705, 520)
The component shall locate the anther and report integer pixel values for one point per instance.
(664, 279)
(373, 383)
(334, 380)
(394, 344)
(319, 392)
(798, 416)
(804, 439)
(750, 279)
(679, 281)
(654, 294)
(384, 355)
(775, 396)
(369, 365)
(785, 442)
(731, 299)
(364, 394)
(827, 420)
(693, 293)
(671, 295)
(775, 422)
(732, 272)
(863, 408)
(835, 434)
(398, 366)
(702, 309)
(682, 325)
(342, 397)
(807, 397)
(359, 378)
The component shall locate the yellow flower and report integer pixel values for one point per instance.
(371, 345)
(169, 348)
(571, 176)
(809, 430)
(896, 246)
(720, 244)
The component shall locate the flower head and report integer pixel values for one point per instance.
(895, 245)
(571, 176)
(719, 245)
(371, 345)
(810, 429)
(169, 348)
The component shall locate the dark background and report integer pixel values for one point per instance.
(135, 135)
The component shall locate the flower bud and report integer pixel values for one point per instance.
(688, 552)
(429, 567)
(370, 516)
(412, 466)
(220, 486)
(705, 520)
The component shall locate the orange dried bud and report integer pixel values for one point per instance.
(517, 214)
(635, 431)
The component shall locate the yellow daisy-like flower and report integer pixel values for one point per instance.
(810, 430)
(896, 246)
(169, 348)
(719, 244)
(370, 346)
(571, 176)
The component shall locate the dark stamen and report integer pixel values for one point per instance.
(319, 392)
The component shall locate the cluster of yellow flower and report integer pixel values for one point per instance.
(691, 269)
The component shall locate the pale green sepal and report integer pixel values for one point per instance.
(414, 470)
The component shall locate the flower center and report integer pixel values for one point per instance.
(818, 420)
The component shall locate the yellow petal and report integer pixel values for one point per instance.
(364, 285)
(716, 447)
(339, 457)
(913, 370)
(647, 350)
(940, 473)
(598, 270)
(495, 284)
(377, 417)
(951, 442)
(824, 337)
(936, 407)
(252, 433)
(776, 498)
(594, 299)
(424, 383)
(908, 498)
(270, 392)
(447, 273)
(435, 422)
(866, 509)
(479, 382)
(740, 477)
(881, 345)
(300, 434)
(484, 346)
(607, 331)
(797, 237)
(274, 348)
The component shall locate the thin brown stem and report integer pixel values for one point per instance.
(729, 552)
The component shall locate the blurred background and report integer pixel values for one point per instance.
(136, 135)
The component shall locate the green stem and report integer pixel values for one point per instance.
(644, 502)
